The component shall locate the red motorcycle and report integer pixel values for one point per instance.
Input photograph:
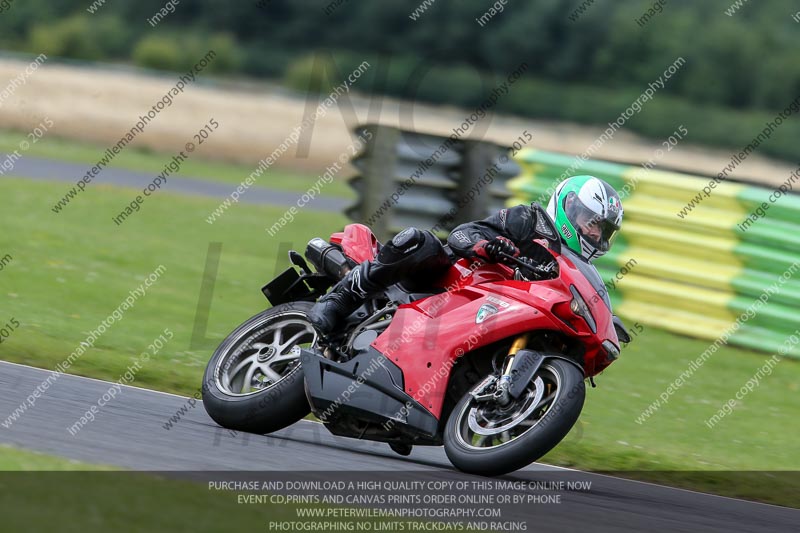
(490, 362)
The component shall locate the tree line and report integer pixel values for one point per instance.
(585, 66)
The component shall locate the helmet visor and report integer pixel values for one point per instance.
(597, 230)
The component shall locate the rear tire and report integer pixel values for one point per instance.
(254, 381)
(473, 452)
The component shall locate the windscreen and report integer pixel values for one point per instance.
(590, 272)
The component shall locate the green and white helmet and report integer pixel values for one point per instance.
(587, 213)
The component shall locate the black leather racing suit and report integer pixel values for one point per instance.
(522, 225)
(415, 258)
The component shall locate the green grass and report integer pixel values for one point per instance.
(14, 460)
(674, 446)
(152, 162)
(38, 491)
(69, 271)
(752, 437)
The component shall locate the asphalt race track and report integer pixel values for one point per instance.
(40, 169)
(129, 432)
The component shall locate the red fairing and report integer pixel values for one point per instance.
(595, 358)
(483, 305)
(357, 242)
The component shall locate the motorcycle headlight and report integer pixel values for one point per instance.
(579, 307)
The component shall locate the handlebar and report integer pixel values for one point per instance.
(538, 270)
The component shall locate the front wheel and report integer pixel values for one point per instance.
(489, 439)
(254, 381)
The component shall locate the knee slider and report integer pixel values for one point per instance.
(407, 238)
(401, 246)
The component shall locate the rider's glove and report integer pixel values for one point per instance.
(490, 250)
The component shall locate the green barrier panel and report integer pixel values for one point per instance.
(784, 208)
(752, 285)
(774, 261)
(773, 315)
(774, 233)
(764, 340)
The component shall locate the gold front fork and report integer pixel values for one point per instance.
(518, 344)
(502, 395)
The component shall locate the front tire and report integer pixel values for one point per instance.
(254, 381)
(489, 440)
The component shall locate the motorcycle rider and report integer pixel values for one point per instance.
(584, 211)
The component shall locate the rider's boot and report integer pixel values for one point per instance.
(345, 297)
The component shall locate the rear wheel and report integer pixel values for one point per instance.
(254, 381)
(489, 439)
